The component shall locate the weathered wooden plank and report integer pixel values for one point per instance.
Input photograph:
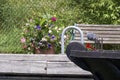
(105, 39)
(95, 25)
(105, 34)
(105, 42)
(109, 33)
(23, 67)
(100, 35)
(65, 68)
(102, 32)
(57, 57)
(99, 28)
(34, 57)
(38, 64)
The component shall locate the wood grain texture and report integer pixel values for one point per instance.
(39, 64)
(64, 68)
(33, 57)
(109, 33)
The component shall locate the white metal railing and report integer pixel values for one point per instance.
(62, 36)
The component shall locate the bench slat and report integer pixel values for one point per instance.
(103, 36)
(94, 25)
(101, 32)
(104, 42)
(109, 33)
(101, 28)
(106, 39)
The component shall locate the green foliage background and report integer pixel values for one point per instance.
(99, 11)
(14, 13)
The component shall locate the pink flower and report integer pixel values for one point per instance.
(23, 40)
(53, 18)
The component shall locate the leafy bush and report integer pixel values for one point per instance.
(15, 13)
(43, 33)
(99, 11)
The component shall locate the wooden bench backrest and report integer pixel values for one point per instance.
(109, 33)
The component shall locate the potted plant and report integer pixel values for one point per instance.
(42, 35)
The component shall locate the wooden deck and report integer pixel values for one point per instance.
(50, 64)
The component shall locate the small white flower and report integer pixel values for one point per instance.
(60, 42)
(27, 24)
(44, 39)
(59, 29)
(29, 48)
(45, 25)
(50, 31)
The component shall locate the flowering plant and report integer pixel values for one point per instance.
(41, 33)
(89, 46)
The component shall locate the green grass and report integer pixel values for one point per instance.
(14, 13)
(10, 41)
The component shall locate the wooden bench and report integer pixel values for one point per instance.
(109, 33)
(103, 64)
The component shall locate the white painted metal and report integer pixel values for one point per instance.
(63, 33)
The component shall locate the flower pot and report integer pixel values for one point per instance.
(48, 51)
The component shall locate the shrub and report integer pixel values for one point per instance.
(41, 33)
